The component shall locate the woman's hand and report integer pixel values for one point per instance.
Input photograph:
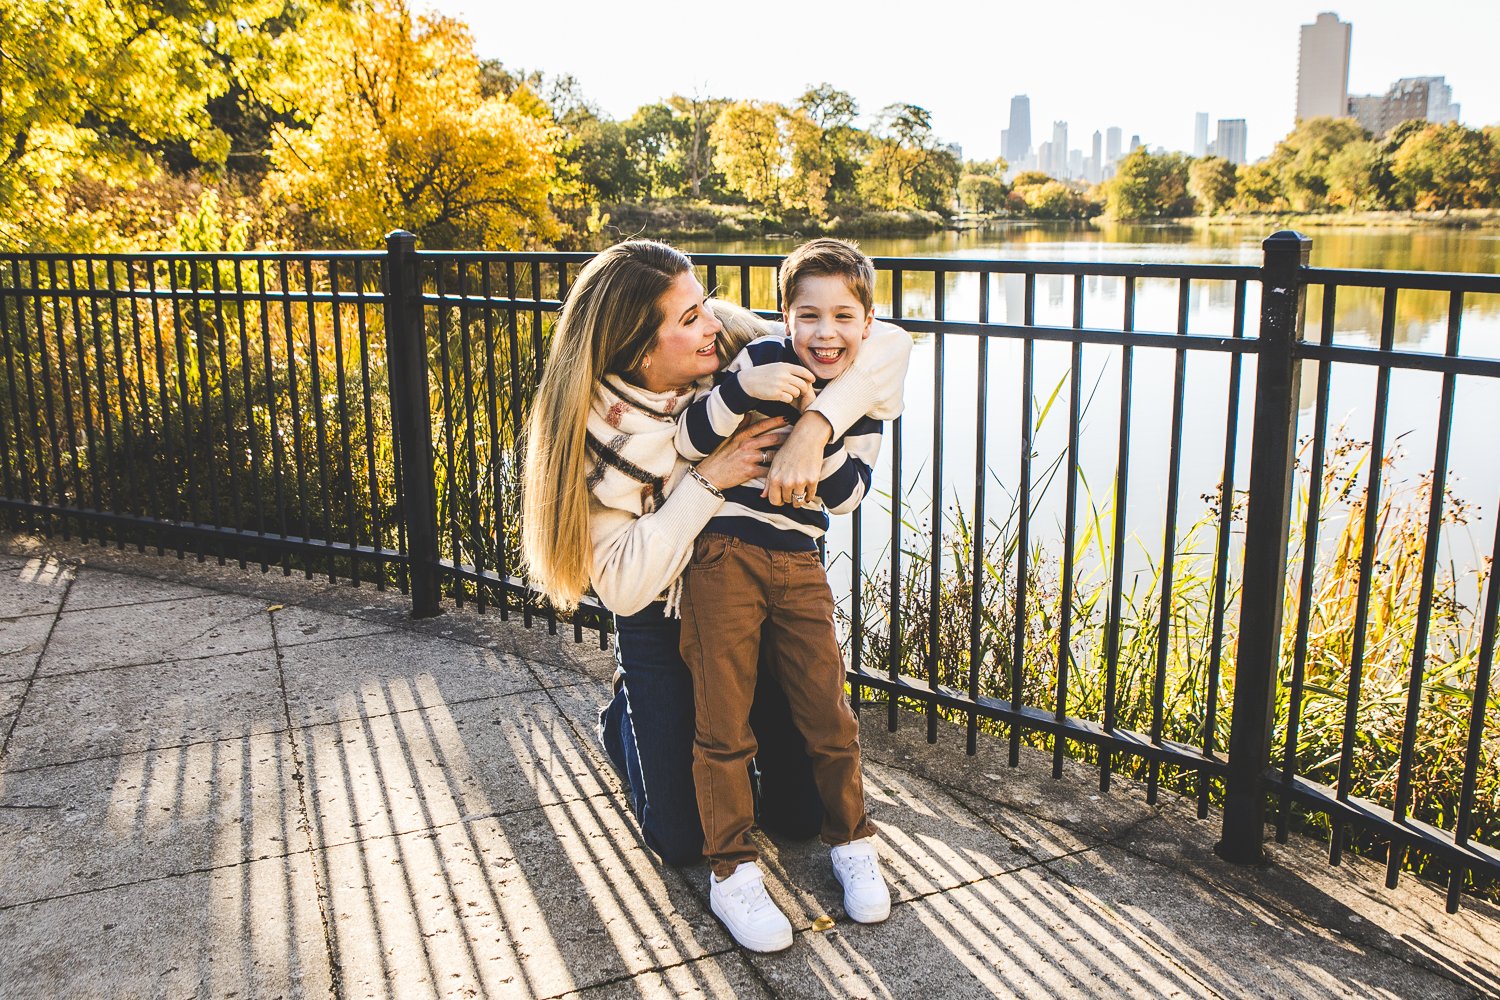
(798, 466)
(779, 382)
(745, 454)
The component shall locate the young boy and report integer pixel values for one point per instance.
(755, 577)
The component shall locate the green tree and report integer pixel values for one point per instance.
(598, 154)
(981, 193)
(749, 150)
(1448, 166)
(105, 93)
(1147, 185)
(774, 156)
(1353, 176)
(1052, 200)
(907, 167)
(697, 115)
(1258, 189)
(1301, 160)
(833, 111)
(655, 136)
(1211, 182)
(400, 134)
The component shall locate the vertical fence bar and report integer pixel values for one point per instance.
(205, 403)
(85, 402)
(1065, 614)
(299, 452)
(59, 327)
(1221, 550)
(1309, 563)
(981, 473)
(35, 485)
(1023, 522)
(407, 354)
(377, 525)
(895, 651)
(226, 402)
(252, 433)
(273, 419)
(471, 447)
(1169, 543)
(935, 550)
(59, 484)
(1117, 541)
(1478, 705)
(18, 460)
(1268, 521)
(230, 516)
(496, 533)
(320, 421)
(450, 468)
(1371, 530)
(190, 341)
(1397, 854)
(346, 455)
(106, 418)
(172, 481)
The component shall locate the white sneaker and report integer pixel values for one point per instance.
(857, 867)
(747, 911)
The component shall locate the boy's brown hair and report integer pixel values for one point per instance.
(825, 256)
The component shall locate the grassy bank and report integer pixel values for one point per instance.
(1459, 218)
(682, 219)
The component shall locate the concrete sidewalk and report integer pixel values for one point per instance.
(219, 783)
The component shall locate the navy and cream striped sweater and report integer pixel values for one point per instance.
(847, 460)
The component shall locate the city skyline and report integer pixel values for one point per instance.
(1145, 68)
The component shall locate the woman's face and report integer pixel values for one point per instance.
(684, 348)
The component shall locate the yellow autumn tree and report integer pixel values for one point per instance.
(399, 135)
(94, 92)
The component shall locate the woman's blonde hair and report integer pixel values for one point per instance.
(740, 327)
(608, 324)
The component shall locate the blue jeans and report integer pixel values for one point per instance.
(647, 731)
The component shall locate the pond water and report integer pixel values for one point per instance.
(945, 396)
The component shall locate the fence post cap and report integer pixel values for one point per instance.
(1285, 239)
(401, 236)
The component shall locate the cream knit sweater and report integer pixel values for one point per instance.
(645, 511)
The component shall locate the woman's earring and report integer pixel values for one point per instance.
(646, 364)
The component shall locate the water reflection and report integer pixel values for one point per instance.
(1419, 318)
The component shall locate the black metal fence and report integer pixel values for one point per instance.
(360, 414)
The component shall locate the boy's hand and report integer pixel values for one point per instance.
(797, 468)
(779, 382)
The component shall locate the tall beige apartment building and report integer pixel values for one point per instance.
(1323, 68)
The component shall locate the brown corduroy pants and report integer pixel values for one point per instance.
(731, 590)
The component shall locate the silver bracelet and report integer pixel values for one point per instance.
(703, 481)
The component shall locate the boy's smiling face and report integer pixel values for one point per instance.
(827, 323)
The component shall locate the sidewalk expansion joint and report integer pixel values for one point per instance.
(299, 774)
(15, 719)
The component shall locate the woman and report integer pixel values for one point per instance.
(608, 502)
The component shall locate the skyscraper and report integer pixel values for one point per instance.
(1095, 171)
(1230, 142)
(1112, 140)
(1059, 149)
(1426, 97)
(1200, 134)
(1323, 68)
(1017, 142)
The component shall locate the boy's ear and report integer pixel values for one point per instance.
(869, 322)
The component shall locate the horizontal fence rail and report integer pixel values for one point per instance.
(1121, 519)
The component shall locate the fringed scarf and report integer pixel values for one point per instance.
(634, 462)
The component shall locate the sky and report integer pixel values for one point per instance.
(1144, 66)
